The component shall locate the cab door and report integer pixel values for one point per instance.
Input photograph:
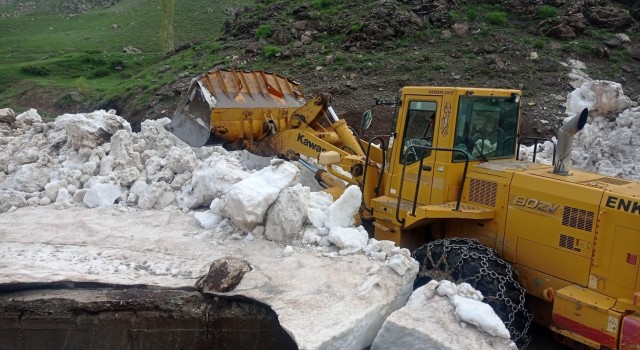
(418, 119)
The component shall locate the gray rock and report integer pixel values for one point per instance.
(286, 217)
(7, 116)
(224, 275)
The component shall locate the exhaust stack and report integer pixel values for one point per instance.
(565, 142)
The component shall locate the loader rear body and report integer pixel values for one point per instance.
(450, 169)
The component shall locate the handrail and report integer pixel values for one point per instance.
(535, 147)
(366, 164)
(415, 198)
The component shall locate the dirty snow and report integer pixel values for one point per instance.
(609, 142)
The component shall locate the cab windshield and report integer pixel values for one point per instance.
(486, 127)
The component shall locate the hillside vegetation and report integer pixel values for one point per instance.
(64, 56)
(72, 58)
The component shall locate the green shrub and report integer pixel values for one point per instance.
(270, 51)
(65, 101)
(321, 4)
(264, 31)
(100, 72)
(496, 18)
(356, 27)
(540, 43)
(473, 14)
(117, 64)
(547, 11)
(37, 70)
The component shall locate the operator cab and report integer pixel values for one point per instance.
(486, 127)
(438, 131)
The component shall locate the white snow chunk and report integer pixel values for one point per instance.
(11, 198)
(27, 178)
(602, 98)
(350, 240)
(102, 195)
(287, 251)
(91, 129)
(318, 208)
(447, 288)
(63, 196)
(429, 321)
(249, 199)
(343, 210)
(480, 315)
(401, 264)
(210, 179)
(29, 117)
(207, 219)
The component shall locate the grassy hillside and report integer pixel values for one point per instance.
(55, 51)
(62, 59)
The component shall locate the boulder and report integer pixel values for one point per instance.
(224, 275)
(7, 116)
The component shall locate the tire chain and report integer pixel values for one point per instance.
(497, 280)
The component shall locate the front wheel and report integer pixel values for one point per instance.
(466, 260)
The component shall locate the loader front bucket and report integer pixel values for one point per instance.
(227, 106)
(191, 120)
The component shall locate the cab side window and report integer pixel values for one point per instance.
(419, 130)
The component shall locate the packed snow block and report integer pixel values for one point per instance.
(286, 217)
(602, 98)
(102, 195)
(480, 315)
(158, 138)
(181, 160)
(27, 178)
(91, 129)
(11, 198)
(29, 117)
(429, 321)
(121, 149)
(207, 219)
(342, 211)
(155, 195)
(350, 240)
(209, 180)
(318, 208)
(249, 199)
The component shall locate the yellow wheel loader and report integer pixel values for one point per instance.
(449, 183)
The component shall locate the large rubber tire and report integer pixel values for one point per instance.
(466, 260)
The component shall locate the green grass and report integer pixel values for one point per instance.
(52, 49)
(546, 11)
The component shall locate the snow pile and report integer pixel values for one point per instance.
(609, 141)
(95, 160)
(443, 315)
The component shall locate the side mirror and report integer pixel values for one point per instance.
(365, 123)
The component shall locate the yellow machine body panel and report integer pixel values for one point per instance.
(587, 316)
(551, 224)
(616, 257)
